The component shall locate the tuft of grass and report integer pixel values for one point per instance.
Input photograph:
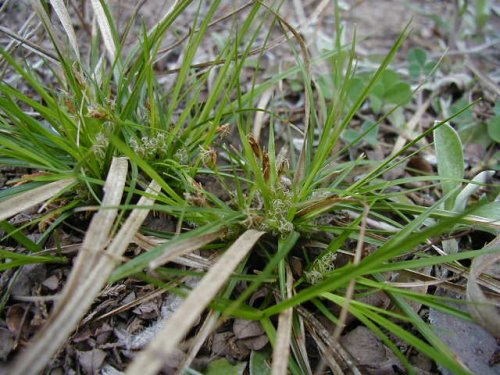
(108, 136)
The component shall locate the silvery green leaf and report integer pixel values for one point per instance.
(450, 159)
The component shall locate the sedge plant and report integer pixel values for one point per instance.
(108, 136)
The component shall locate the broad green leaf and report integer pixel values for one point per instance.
(417, 56)
(259, 363)
(378, 90)
(475, 133)
(350, 135)
(390, 78)
(376, 103)
(400, 93)
(414, 70)
(223, 367)
(465, 117)
(489, 211)
(372, 136)
(450, 159)
(494, 128)
(369, 135)
(356, 87)
(429, 67)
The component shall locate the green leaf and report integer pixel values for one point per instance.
(325, 86)
(489, 211)
(494, 128)
(399, 93)
(223, 367)
(475, 133)
(378, 90)
(356, 87)
(418, 64)
(259, 363)
(376, 103)
(415, 70)
(429, 67)
(350, 135)
(390, 78)
(450, 161)
(466, 117)
(18, 235)
(417, 56)
(371, 136)
(390, 89)
(17, 260)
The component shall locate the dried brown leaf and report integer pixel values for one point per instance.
(91, 361)
(15, 317)
(244, 329)
(369, 352)
(255, 343)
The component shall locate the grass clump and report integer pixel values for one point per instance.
(320, 229)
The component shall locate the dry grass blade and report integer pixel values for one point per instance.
(150, 360)
(23, 201)
(283, 335)
(71, 308)
(480, 306)
(127, 306)
(299, 346)
(128, 230)
(29, 45)
(105, 29)
(328, 359)
(336, 357)
(259, 116)
(350, 288)
(186, 259)
(25, 32)
(185, 247)
(62, 13)
(98, 233)
(208, 326)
